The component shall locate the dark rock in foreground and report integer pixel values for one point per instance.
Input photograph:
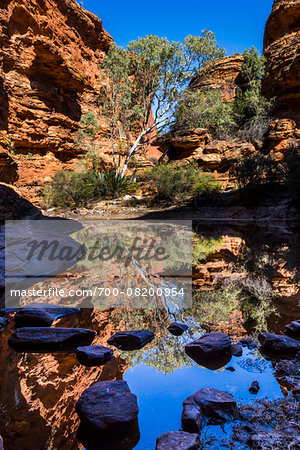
(41, 315)
(94, 355)
(296, 392)
(248, 342)
(44, 339)
(131, 340)
(293, 329)
(254, 388)
(278, 344)
(108, 406)
(126, 439)
(3, 323)
(211, 350)
(177, 329)
(207, 403)
(237, 349)
(192, 419)
(287, 368)
(178, 440)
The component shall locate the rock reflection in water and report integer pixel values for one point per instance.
(38, 392)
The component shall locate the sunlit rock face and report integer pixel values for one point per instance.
(282, 50)
(49, 70)
(223, 76)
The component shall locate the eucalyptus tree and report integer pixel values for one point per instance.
(141, 86)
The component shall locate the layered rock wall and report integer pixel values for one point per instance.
(223, 75)
(49, 71)
(282, 51)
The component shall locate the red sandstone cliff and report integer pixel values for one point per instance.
(282, 50)
(49, 68)
(223, 75)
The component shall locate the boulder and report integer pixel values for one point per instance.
(293, 329)
(237, 349)
(131, 340)
(287, 368)
(3, 323)
(107, 406)
(125, 439)
(278, 344)
(248, 342)
(44, 339)
(183, 144)
(211, 350)
(94, 355)
(178, 440)
(223, 75)
(207, 404)
(254, 388)
(14, 207)
(41, 315)
(192, 419)
(177, 329)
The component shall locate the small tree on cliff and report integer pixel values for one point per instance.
(141, 87)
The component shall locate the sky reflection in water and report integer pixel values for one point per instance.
(160, 396)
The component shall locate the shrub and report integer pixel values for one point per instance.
(117, 185)
(175, 182)
(87, 133)
(249, 112)
(72, 189)
(206, 186)
(252, 169)
(255, 129)
(203, 247)
(250, 103)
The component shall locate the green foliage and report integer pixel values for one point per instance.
(206, 186)
(251, 104)
(72, 189)
(75, 189)
(175, 182)
(247, 117)
(252, 169)
(117, 185)
(204, 110)
(253, 68)
(150, 75)
(253, 297)
(87, 133)
(215, 306)
(203, 247)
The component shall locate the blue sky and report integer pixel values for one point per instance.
(237, 23)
